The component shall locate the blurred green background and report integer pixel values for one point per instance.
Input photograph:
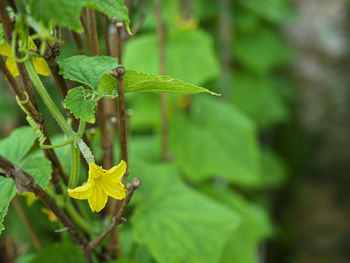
(265, 164)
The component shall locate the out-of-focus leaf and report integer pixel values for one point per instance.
(261, 51)
(216, 140)
(273, 169)
(58, 253)
(254, 226)
(66, 12)
(26, 258)
(14, 148)
(273, 10)
(257, 96)
(189, 56)
(176, 223)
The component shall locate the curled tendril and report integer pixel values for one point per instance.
(22, 50)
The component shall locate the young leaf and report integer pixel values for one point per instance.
(87, 70)
(176, 223)
(15, 148)
(140, 82)
(82, 102)
(67, 12)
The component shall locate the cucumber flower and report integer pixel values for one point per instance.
(101, 184)
(39, 63)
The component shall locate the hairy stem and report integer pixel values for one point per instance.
(47, 99)
(74, 177)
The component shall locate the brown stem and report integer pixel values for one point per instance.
(25, 183)
(225, 42)
(118, 73)
(6, 21)
(79, 42)
(162, 71)
(86, 31)
(93, 37)
(119, 26)
(104, 22)
(117, 219)
(50, 56)
(27, 224)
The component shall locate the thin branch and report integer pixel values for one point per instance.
(6, 21)
(27, 224)
(225, 42)
(104, 22)
(118, 73)
(162, 71)
(117, 219)
(79, 42)
(93, 37)
(86, 31)
(26, 183)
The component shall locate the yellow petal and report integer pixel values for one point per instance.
(12, 66)
(116, 172)
(97, 200)
(30, 198)
(5, 49)
(81, 192)
(115, 190)
(41, 66)
(32, 45)
(95, 171)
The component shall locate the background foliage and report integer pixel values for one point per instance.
(211, 202)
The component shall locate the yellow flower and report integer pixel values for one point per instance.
(30, 198)
(101, 184)
(39, 63)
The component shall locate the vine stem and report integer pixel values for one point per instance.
(47, 99)
(162, 71)
(26, 183)
(73, 180)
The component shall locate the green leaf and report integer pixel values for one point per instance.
(82, 102)
(274, 171)
(254, 227)
(217, 139)
(189, 54)
(58, 253)
(140, 82)
(176, 223)
(87, 70)
(277, 11)
(66, 12)
(1, 34)
(262, 51)
(8, 191)
(15, 148)
(253, 94)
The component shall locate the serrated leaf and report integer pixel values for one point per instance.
(15, 148)
(8, 191)
(176, 223)
(66, 12)
(87, 70)
(254, 226)
(190, 56)
(141, 82)
(217, 140)
(82, 102)
(58, 253)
